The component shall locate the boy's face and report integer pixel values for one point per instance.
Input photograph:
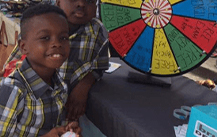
(46, 42)
(78, 11)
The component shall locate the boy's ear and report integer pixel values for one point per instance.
(58, 3)
(22, 47)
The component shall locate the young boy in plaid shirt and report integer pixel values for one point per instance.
(88, 57)
(32, 98)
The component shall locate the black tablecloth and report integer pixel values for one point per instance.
(122, 108)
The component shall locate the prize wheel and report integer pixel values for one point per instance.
(161, 37)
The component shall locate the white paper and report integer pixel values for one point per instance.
(181, 130)
(112, 67)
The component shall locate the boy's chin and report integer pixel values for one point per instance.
(55, 65)
(78, 22)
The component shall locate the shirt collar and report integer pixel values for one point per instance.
(79, 31)
(37, 85)
(84, 29)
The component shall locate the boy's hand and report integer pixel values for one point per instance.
(55, 132)
(76, 103)
(208, 83)
(58, 131)
(73, 127)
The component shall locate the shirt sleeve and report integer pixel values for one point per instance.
(11, 105)
(92, 50)
(101, 60)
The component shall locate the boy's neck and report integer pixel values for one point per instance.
(73, 28)
(45, 74)
(48, 80)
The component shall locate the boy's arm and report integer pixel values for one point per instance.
(11, 104)
(76, 103)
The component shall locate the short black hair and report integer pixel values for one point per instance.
(36, 10)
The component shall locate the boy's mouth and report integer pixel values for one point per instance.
(79, 14)
(55, 55)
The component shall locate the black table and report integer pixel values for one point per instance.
(122, 108)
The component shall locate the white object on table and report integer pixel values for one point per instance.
(181, 130)
(112, 67)
(69, 134)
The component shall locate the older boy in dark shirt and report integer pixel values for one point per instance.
(88, 58)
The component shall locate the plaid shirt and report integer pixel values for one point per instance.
(29, 106)
(88, 51)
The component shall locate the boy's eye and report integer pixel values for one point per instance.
(45, 38)
(91, 1)
(88, 1)
(64, 38)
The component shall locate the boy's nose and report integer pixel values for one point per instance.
(56, 43)
(81, 3)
